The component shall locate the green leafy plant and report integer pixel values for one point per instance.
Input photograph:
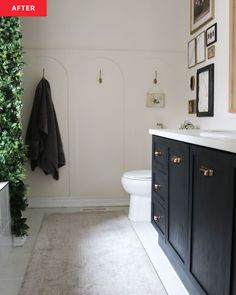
(12, 148)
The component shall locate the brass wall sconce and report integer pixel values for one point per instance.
(100, 77)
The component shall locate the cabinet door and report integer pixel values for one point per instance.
(211, 219)
(178, 200)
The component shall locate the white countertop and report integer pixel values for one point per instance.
(194, 137)
(2, 184)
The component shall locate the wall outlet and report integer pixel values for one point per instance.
(156, 100)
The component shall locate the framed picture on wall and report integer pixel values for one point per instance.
(202, 11)
(205, 91)
(201, 48)
(211, 52)
(211, 35)
(192, 106)
(192, 53)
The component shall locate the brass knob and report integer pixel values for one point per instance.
(157, 186)
(176, 160)
(207, 172)
(157, 218)
(158, 153)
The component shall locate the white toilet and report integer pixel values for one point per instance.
(138, 185)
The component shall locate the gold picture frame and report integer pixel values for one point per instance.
(192, 106)
(201, 12)
(232, 59)
(201, 48)
(192, 53)
(211, 52)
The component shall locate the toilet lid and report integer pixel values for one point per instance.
(138, 175)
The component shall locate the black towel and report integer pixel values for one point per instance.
(43, 137)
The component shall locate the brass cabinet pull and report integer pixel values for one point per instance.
(157, 218)
(157, 186)
(158, 153)
(206, 171)
(176, 160)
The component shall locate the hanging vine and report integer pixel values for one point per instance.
(12, 148)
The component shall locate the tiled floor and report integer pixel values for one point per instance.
(12, 272)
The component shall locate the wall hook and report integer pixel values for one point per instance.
(100, 77)
(43, 72)
(155, 80)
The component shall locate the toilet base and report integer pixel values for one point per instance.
(140, 208)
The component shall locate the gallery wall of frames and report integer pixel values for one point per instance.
(202, 48)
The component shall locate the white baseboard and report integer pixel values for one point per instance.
(149, 238)
(68, 202)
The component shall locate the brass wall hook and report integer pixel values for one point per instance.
(100, 77)
(155, 79)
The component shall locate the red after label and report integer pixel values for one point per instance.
(23, 7)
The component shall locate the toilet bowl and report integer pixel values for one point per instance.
(138, 185)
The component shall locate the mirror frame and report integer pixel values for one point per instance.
(232, 58)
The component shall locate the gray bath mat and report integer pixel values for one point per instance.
(92, 253)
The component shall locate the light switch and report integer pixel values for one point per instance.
(156, 100)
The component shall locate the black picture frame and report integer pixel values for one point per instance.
(205, 91)
(211, 40)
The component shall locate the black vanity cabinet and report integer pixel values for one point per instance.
(195, 218)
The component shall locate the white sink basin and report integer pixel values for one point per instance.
(223, 134)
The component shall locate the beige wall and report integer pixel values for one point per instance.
(104, 24)
(104, 126)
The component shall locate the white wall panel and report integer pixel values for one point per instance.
(97, 128)
(105, 127)
(39, 183)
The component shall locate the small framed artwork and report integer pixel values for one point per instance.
(202, 11)
(211, 52)
(205, 91)
(201, 48)
(192, 106)
(211, 35)
(192, 53)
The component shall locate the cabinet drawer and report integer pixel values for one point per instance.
(158, 216)
(160, 184)
(160, 154)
